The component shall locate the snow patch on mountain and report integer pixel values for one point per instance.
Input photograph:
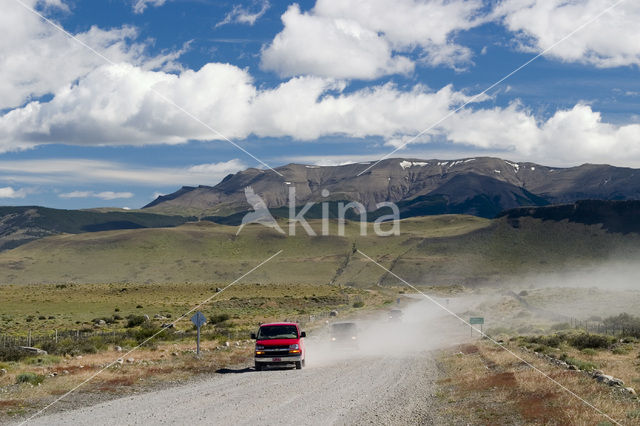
(406, 164)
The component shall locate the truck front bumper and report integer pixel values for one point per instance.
(282, 359)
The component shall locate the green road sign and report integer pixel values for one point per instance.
(476, 320)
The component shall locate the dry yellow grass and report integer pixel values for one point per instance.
(487, 385)
(170, 362)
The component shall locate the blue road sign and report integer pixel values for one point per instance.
(198, 319)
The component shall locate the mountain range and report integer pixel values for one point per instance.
(482, 186)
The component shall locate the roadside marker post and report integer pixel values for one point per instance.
(476, 320)
(198, 319)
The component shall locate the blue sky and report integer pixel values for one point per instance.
(323, 82)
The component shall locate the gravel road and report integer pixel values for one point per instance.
(386, 390)
(390, 380)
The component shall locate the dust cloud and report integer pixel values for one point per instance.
(422, 327)
(528, 304)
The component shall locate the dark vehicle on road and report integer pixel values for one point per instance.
(344, 335)
(395, 315)
(279, 344)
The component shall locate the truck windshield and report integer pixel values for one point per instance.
(343, 328)
(278, 332)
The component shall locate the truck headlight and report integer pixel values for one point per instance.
(294, 346)
(259, 347)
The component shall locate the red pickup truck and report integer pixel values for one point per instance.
(279, 344)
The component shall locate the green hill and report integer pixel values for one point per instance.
(209, 252)
(433, 250)
(19, 225)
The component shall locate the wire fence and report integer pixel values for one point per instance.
(114, 336)
(600, 327)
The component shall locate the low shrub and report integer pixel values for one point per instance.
(595, 341)
(553, 341)
(582, 365)
(129, 343)
(218, 318)
(622, 349)
(32, 378)
(589, 351)
(42, 360)
(69, 346)
(542, 349)
(135, 320)
(147, 330)
(358, 304)
(107, 320)
(98, 342)
(12, 354)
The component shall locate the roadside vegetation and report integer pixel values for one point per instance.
(616, 354)
(106, 322)
(484, 384)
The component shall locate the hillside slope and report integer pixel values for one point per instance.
(614, 216)
(19, 225)
(208, 252)
(434, 250)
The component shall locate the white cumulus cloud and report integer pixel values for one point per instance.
(37, 59)
(610, 41)
(570, 136)
(323, 46)
(126, 104)
(9, 192)
(366, 39)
